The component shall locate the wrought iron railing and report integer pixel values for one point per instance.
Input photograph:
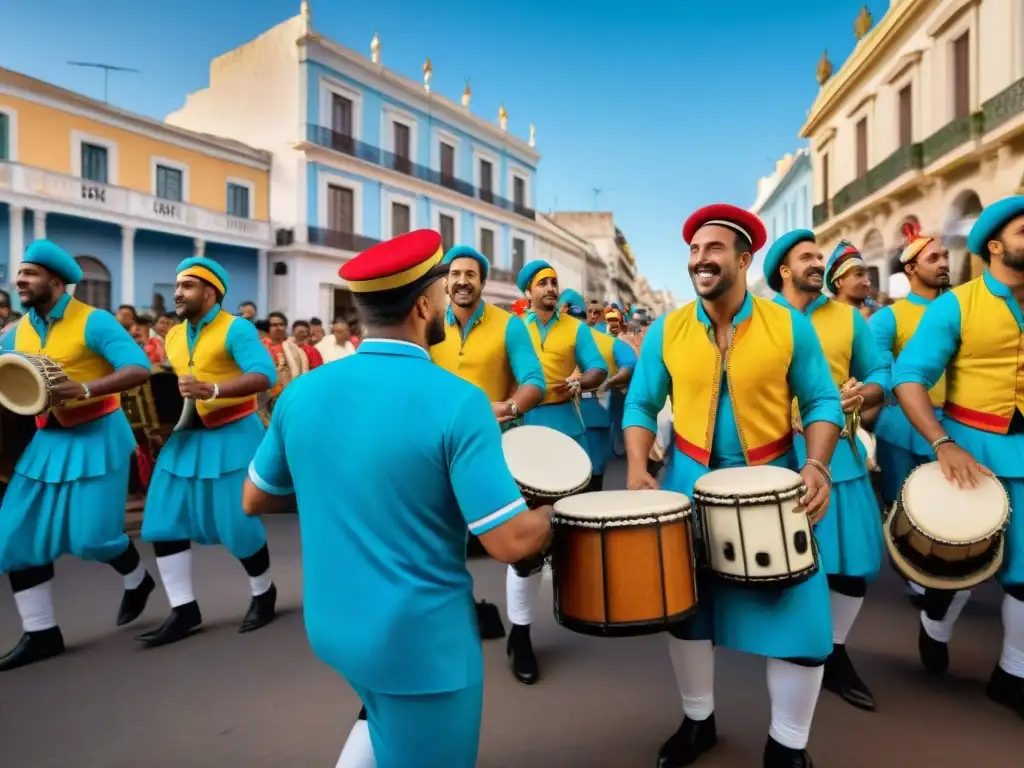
(952, 135)
(345, 241)
(1004, 105)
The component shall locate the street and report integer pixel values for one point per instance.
(262, 700)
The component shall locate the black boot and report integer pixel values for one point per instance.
(133, 603)
(262, 611)
(842, 679)
(183, 622)
(521, 656)
(33, 647)
(934, 655)
(691, 740)
(1007, 690)
(488, 620)
(778, 756)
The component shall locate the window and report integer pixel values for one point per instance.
(340, 209)
(824, 177)
(862, 146)
(906, 115)
(169, 183)
(400, 219)
(447, 162)
(238, 201)
(94, 287)
(5, 137)
(962, 75)
(341, 115)
(94, 162)
(446, 225)
(486, 180)
(487, 242)
(518, 253)
(402, 146)
(518, 192)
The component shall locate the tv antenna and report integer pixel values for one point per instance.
(107, 69)
(598, 192)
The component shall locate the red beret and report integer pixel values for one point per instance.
(397, 263)
(725, 215)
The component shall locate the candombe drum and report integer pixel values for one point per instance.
(26, 381)
(622, 562)
(942, 536)
(755, 533)
(547, 466)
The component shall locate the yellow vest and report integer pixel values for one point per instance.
(481, 359)
(65, 345)
(211, 363)
(985, 379)
(606, 345)
(557, 353)
(756, 367)
(908, 315)
(833, 322)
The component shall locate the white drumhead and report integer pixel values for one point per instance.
(543, 459)
(612, 505)
(744, 481)
(22, 389)
(949, 513)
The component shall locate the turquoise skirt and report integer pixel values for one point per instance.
(850, 537)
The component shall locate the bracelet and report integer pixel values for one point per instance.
(940, 442)
(820, 466)
(86, 392)
(215, 395)
(513, 407)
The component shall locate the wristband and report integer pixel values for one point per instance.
(820, 466)
(215, 395)
(86, 392)
(940, 442)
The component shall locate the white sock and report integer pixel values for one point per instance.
(1012, 658)
(793, 691)
(844, 613)
(35, 606)
(942, 630)
(915, 588)
(176, 574)
(358, 751)
(260, 584)
(134, 579)
(694, 664)
(520, 596)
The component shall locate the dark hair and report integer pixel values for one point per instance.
(262, 325)
(170, 316)
(279, 315)
(247, 304)
(130, 308)
(300, 324)
(337, 320)
(6, 298)
(383, 316)
(144, 319)
(743, 244)
(316, 321)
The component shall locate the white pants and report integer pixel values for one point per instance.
(521, 596)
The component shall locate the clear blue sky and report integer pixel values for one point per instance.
(666, 104)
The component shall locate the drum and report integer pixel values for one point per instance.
(622, 562)
(754, 532)
(26, 381)
(16, 431)
(548, 466)
(945, 537)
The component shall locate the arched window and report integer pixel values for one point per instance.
(94, 288)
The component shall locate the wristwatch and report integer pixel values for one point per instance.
(513, 407)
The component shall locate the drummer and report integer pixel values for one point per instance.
(596, 405)
(850, 537)
(69, 488)
(563, 344)
(773, 356)
(196, 490)
(972, 335)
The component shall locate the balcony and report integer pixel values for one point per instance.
(903, 160)
(81, 197)
(1004, 106)
(339, 142)
(952, 135)
(344, 241)
(820, 214)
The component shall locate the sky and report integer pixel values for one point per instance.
(665, 106)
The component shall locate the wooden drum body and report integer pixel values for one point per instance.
(753, 531)
(623, 562)
(26, 381)
(941, 536)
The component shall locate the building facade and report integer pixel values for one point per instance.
(784, 204)
(923, 122)
(572, 257)
(361, 154)
(608, 241)
(129, 197)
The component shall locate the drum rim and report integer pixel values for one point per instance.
(526, 488)
(623, 522)
(562, 493)
(24, 361)
(901, 508)
(906, 569)
(785, 494)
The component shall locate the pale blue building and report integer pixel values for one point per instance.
(784, 203)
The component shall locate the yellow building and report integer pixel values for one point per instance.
(924, 121)
(128, 196)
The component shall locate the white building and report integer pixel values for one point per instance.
(599, 230)
(361, 154)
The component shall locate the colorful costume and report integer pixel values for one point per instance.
(774, 357)
(563, 345)
(195, 493)
(69, 488)
(596, 406)
(399, 541)
(974, 334)
(850, 536)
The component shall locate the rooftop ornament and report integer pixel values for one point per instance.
(375, 48)
(824, 69)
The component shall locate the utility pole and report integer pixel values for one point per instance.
(107, 69)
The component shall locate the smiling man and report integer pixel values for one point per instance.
(851, 283)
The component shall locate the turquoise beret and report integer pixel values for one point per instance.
(527, 272)
(467, 252)
(200, 263)
(777, 254)
(991, 221)
(844, 249)
(572, 298)
(51, 256)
